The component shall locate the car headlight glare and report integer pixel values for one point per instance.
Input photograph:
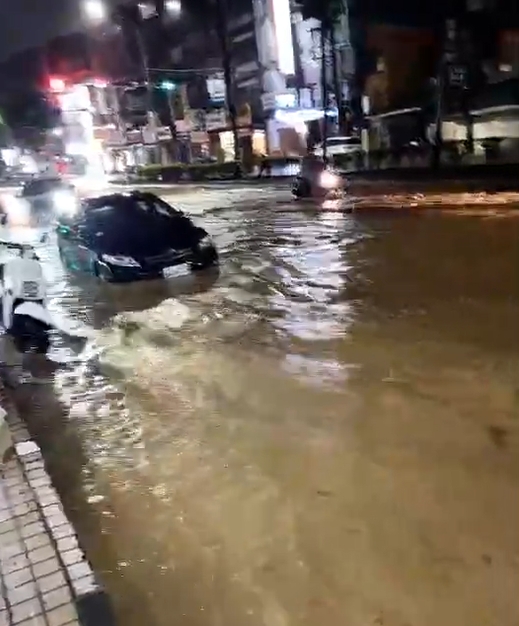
(123, 261)
(64, 202)
(329, 180)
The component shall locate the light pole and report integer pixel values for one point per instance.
(223, 35)
(170, 87)
(173, 7)
(95, 12)
(324, 87)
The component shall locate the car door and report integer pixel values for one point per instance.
(73, 245)
(68, 244)
(85, 242)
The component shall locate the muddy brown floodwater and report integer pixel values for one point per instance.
(327, 434)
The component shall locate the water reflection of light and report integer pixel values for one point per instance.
(320, 372)
(310, 302)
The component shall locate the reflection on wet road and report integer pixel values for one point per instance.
(327, 433)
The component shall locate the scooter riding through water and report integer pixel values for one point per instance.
(317, 181)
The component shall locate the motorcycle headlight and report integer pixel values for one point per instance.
(64, 202)
(329, 180)
(123, 261)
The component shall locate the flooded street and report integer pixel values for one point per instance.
(326, 433)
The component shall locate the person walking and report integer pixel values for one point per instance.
(265, 166)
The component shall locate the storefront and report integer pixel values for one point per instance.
(211, 137)
(135, 148)
(289, 116)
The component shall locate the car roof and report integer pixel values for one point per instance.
(114, 199)
(44, 179)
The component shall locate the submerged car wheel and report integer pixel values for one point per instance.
(30, 335)
(205, 258)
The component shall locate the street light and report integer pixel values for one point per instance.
(173, 7)
(94, 10)
(56, 84)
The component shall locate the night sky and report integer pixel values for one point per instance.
(27, 23)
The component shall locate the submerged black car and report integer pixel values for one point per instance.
(127, 237)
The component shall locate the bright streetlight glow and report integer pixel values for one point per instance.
(94, 10)
(168, 85)
(173, 7)
(57, 84)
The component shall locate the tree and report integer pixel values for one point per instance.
(29, 114)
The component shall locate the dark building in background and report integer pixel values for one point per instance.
(394, 57)
(192, 47)
(415, 62)
(399, 45)
(186, 51)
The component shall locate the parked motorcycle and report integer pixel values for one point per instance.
(23, 297)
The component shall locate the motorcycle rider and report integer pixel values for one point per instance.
(312, 167)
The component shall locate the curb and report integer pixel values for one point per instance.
(89, 598)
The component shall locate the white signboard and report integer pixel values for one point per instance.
(115, 137)
(268, 101)
(216, 120)
(149, 135)
(216, 88)
(164, 133)
(199, 136)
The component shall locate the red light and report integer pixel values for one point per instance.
(57, 84)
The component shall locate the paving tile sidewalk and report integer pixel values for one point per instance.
(35, 590)
(45, 578)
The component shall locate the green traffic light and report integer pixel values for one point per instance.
(167, 85)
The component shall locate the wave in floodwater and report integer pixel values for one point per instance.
(325, 432)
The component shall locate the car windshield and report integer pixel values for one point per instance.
(152, 205)
(126, 225)
(343, 141)
(106, 228)
(36, 187)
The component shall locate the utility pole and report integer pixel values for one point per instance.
(170, 90)
(448, 50)
(222, 19)
(145, 68)
(324, 88)
(337, 82)
(131, 15)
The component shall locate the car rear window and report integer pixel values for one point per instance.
(116, 216)
(36, 187)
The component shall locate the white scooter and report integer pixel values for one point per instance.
(23, 293)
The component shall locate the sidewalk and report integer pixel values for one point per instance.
(45, 578)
